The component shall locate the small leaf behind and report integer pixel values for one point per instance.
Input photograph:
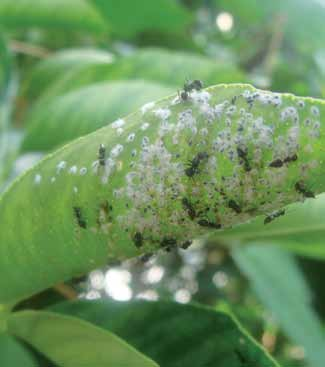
(175, 335)
(71, 342)
(13, 353)
(278, 282)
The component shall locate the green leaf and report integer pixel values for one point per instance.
(172, 334)
(168, 67)
(60, 14)
(60, 63)
(302, 19)
(129, 18)
(71, 342)
(80, 112)
(5, 68)
(174, 67)
(300, 230)
(13, 353)
(164, 175)
(8, 139)
(280, 285)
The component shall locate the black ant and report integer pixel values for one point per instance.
(207, 223)
(234, 206)
(274, 215)
(80, 220)
(301, 188)
(104, 212)
(190, 85)
(277, 163)
(183, 95)
(189, 207)
(168, 243)
(233, 100)
(194, 164)
(193, 84)
(101, 155)
(185, 245)
(146, 257)
(138, 239)
(291, 158)
(250, 102)
(106, 206)
(243, 155)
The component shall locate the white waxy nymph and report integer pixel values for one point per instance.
(146, 107)
(37, 179)
(118, 124)
(73, 170)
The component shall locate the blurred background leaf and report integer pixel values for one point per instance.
(172, 334)
(58, 14)
(130, 18)
(153, 64)
(279, 283)
(59, 64)
(14, 353)
(80, 112)
(68, 341)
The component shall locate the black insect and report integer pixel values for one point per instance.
(301, 188)
(277, 163)
(250, 102)
(146, 257)
(291, 158)
(194, 164)
(168, 243)
(243, 155)
(188, 206)
(138, 239)
(274, 215)
(185, 245)
(79, 217)
(104, 213)
(207, 223)
(101, 155)
(193, 85)
(234, 206)
(183, 95)
(106, 206)
(233, 100)
(189, 85)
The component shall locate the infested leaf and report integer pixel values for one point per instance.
(177, 169)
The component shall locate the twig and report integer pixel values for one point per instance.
(66, 291)
(28, 49)
(275, 43)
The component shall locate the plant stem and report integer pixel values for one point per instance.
(66, 291)
(28, 49)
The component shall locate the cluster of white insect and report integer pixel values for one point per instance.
(206, 162)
